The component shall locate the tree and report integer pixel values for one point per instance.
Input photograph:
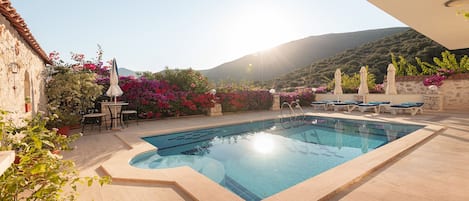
(185, 80)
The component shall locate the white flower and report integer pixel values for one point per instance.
(213, 91)
(433, 87)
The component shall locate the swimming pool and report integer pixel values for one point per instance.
(258, 159)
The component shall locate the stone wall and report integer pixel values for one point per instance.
(394, 99)
(454, 91)
(26, 81)
(452, 95)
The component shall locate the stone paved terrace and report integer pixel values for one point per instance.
(436, 169)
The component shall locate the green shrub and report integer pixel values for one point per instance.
(39, 173)
(185, 80)
(69, 92)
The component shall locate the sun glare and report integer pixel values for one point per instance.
(263, 143)
(260, 29)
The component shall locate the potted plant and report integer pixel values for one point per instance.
(69, 93)
(27, 104)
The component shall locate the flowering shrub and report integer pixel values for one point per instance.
(189, 103)
(379, 88)
(305, 98)
(157, 98)
(94, 65)
(436, 80)
(151, 97)
(320, 90)
(245, 100)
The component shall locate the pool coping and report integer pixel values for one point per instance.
(320, 187)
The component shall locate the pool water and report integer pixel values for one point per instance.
(258, 159)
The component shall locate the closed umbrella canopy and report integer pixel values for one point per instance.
(338, 82)
(114, 89)
(363, 89)
(391, 80)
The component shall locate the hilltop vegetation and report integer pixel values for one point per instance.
(266, 65)
(377, 55)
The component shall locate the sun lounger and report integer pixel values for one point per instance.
(412, 107)
(325, 104)
(348, 105)
(319, 104)
(375, 106)
(367, 106)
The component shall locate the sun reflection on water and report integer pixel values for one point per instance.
(263, 143)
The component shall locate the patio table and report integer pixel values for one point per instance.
(115, 108)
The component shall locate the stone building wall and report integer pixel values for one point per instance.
(26, 81)
(454, 91)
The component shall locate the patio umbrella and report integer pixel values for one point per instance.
(363, 89)
(114, 89)
(338, 83)
(391, 80)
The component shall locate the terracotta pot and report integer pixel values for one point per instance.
(64, 130)
(27, 107)
(17, 160)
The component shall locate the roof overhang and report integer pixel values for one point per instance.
(433, 18)
(20, 26)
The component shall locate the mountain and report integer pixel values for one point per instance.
(376, 54)
(287, 57)
(126, 72)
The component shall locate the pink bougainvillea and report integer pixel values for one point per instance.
(157, 98)
(245, 100)
(436, 80)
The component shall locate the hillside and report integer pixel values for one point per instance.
(287, 57)
(126, 72)
(377, 55)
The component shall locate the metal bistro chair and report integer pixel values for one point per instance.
(93, 117)
(128, 114)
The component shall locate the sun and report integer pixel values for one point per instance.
(260, 29)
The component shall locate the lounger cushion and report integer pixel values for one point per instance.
(342, 103)
(319, 102)
(403, 106)
(379, 102)
(415, 104)
(367, 104)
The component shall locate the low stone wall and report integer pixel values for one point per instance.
(454, 91)
(394, 99)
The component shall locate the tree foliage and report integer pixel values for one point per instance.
(377, 55)
(185, 80)
(447, 62)
(69, 92)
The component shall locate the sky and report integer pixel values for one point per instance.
(149, 35)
